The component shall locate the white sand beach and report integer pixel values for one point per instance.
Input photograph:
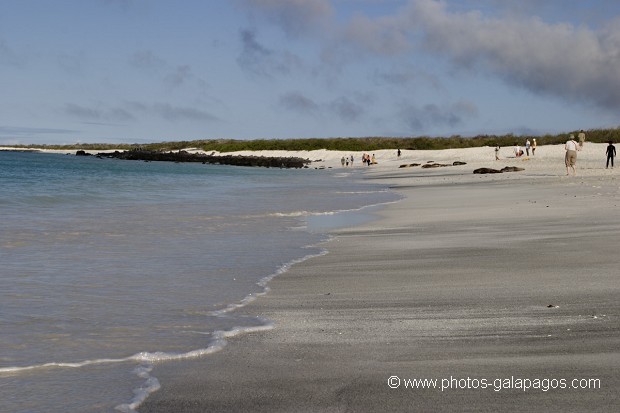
(548, 160)
(506, 279)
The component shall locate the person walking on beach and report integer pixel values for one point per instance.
(342, 161)
(582, 138)
(611, 154)
(533, 146)
(398, 153)
(570, 159)
(527, 147)
(497, 153)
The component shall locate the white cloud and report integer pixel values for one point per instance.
(575, 63)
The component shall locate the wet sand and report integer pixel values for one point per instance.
(509, 277)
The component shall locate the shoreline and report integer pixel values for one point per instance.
(449, 280)
(453, 281)
(549, 159)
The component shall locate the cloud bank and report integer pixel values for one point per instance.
(132, 111)
(296, 17)
(574, 63)
(343, 107)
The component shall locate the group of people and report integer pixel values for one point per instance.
(366, 159)
(369, 160)
(571, 147)
(345, 160)
(518, 151)
(528, 146)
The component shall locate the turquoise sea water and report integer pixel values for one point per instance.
(111, 266)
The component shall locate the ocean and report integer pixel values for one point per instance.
(110, 267)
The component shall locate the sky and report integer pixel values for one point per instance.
(139, 71)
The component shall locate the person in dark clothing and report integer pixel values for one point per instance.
(611, 153)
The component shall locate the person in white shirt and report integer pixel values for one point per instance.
(570, 159)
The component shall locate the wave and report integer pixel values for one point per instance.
(263, 283)
(362, 192)
(62, 365)
(339, 211)
(297, 214)
(142, 364)
(284, 268)
(146, 360)
(151, 384)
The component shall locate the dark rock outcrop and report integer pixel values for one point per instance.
(183, 156)
(409, 165)
(456, 163)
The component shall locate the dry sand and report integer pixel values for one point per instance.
(452, 282)
(548, 159)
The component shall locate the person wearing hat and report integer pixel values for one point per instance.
(571, 149)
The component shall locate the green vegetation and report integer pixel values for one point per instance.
(347, 144)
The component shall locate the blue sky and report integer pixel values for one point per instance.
(151, 70)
